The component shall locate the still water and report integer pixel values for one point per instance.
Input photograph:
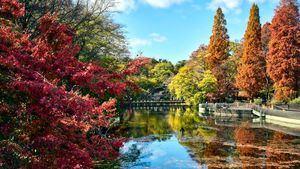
(182, 139)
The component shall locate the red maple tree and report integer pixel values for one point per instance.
(50, 101)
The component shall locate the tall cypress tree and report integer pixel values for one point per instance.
(251, 72)
(218, 53)
(283, 60)
(219, 41)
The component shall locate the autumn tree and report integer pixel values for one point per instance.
(218, 53)
(53, 108)
(96, 32)
(265, 38)
(283, 60)
(218, 48)
(251, 72)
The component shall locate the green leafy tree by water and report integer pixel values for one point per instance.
(194, 81)
(185, 86)
(208, 84)
(162, 72)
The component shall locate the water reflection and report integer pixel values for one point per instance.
(178, 138)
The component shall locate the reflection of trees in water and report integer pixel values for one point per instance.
(217, 146)
(250, 150)
(190, 125)
(133, 158)
(277, 150)
(239, 146)
(208, 148)
(283, 151)
(144, 123)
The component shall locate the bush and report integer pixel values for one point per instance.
(258, 101)
(276, 102)
(295, 101)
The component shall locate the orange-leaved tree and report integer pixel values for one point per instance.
(218, 53)
(265, 38)
(283, 60)
(251, 72)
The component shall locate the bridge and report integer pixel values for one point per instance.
(155, 103)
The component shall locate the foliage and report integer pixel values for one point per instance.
(162, 72)
(232, 63)
(258, 101)
(153, 79)
(97, 34)
(179, 65)
(50, 114)
(295, 101)
(276, 102)
(218, 53)
(265, 38)
(185, 86)
(250, 77)
(283, 61)
(193, 81)
(196, 83)
(208, 84)
(113, 64)
(218, 48)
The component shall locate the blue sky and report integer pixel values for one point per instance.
(173, 29)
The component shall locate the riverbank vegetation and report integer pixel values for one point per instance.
(264, 64)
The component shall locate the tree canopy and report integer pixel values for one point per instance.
(218, 53)
(283, 61)
(251, 72)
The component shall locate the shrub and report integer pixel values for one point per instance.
(295, 101)
(258, 101)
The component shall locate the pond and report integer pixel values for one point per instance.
(177, 138)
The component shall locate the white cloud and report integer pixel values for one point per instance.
(256, 1)
(141, 42)
(124, 5)
(163, 3)
(138, 42)
(227, 5)
(158, 38)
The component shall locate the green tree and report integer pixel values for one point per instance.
(97, 33)
(179, 65)
(193, 81)
(162, 72)
(185, 86)
(208, 84)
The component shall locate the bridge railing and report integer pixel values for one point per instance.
(145, 103)
(263, 111)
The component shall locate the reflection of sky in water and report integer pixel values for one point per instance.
(163, 154)
(184, 140)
